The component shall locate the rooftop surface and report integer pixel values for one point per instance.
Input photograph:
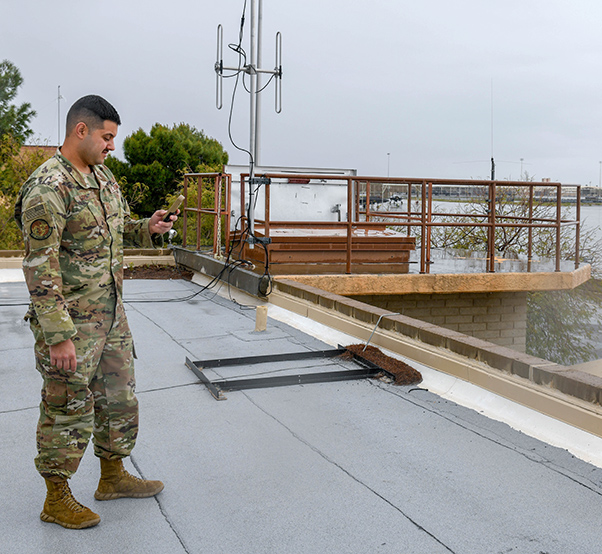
(345, 467)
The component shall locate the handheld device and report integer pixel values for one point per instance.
(173, 208)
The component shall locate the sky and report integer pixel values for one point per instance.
(429, 88)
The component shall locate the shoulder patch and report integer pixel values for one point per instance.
(35, 212)
(40, 229)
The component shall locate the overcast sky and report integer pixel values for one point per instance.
(419, 81)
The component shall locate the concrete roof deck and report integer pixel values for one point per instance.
(354, 467)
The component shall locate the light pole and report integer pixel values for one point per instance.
(389, 159)
(521, 169)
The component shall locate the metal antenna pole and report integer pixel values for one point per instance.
(492, 159)
(253, 79)
(58, 132)
(253, 118)
(253, 69)
(258, 83)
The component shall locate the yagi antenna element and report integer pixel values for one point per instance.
(251, 67)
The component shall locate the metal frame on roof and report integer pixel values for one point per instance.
(368, 370)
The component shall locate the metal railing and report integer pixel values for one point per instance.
(218, 187)
(360, 196)
(492, 220)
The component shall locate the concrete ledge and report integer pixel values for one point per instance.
(360, 285)
(203, 263)
(561, 392)
(135, 257)
(148, 260)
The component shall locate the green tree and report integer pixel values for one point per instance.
(205, 221)
(16, 165)
(160, 158)
(14, 120)
(561, 325)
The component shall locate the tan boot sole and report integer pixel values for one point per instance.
(115, 495)
(51, 519)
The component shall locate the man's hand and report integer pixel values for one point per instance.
(62, 355)
(157, 225)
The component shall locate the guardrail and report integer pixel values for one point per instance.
(419, 219)
(422, 190)
(213, 193)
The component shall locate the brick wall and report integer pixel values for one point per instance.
(498, 317)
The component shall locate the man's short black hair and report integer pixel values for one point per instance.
(93, 110)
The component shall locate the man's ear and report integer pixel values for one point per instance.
(81, 130)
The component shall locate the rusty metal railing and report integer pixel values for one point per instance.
(361, 191)
(492, 220)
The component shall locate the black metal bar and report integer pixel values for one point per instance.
(369, 370)
(289, 380)
(359, 359)
(203, 378)
(287, 357)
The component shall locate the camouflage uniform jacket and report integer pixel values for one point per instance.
(74, 230)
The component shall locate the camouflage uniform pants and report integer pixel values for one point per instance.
(98, 398)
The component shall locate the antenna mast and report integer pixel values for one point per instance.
(254, 70)
(58, 132)
(492, 158)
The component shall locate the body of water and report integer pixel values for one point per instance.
(591, 216)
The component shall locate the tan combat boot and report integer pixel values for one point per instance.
(60, 507)
(116, 482)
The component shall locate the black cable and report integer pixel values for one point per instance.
(209, 285)
(241, 54)
(262, 88)
(265, 283)
(2, 305)
(242, 57)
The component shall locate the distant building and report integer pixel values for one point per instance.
(29, 149)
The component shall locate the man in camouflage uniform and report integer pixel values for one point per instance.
(74, 222)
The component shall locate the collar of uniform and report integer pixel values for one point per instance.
(75, 174)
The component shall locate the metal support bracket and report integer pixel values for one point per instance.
(367, 370)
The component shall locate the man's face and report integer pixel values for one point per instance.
(98, 143)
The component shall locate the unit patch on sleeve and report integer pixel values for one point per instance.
(40, 229)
